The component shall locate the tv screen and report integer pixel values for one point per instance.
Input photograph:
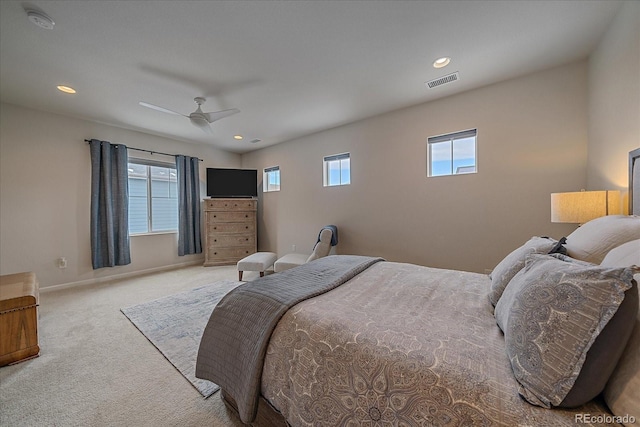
(232, 182)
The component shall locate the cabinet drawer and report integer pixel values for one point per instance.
(231, 240)
(230, 205)
(230, 227)
(216, 217)
(229, 253)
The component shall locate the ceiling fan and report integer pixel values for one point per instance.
(198, 118)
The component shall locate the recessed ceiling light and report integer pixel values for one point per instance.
(66, 89)
(238, 137)
(40, 19)
(441, 62)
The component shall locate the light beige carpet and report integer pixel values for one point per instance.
(96, 369)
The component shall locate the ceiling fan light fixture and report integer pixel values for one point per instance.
(40, 19)
(198, 118)
(238, 137)
(198, 121)
(441, 62)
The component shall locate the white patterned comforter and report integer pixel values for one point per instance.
(399, 345)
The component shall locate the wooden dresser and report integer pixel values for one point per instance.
(230, 230)
(18, 317)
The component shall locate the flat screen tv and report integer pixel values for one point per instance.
(232, 182)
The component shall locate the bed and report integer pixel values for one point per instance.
(359, 341)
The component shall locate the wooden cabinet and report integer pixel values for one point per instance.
(18, 317)
(230, 230)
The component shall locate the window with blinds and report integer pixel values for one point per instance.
(337, 170)
(452, 154)
(271, 179)
(153, 197)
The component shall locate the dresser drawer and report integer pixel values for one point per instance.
(229, 253)
(230, 205)
(230, 227)
(231, 240)
(217, 217)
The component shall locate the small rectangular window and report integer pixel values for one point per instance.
(452, 154)
(153, 197)
(337, 170)
(271, 179)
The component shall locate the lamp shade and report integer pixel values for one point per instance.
(583, 206)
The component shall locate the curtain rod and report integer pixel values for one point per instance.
(147, 151)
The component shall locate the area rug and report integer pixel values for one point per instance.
(174, 325)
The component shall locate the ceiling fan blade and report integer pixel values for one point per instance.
(217, 115)
(202, 124)
(164, 110)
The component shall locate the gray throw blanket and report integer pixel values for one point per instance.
(235, 340)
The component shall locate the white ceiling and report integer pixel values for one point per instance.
(292, 67)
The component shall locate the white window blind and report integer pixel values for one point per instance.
(153, 197)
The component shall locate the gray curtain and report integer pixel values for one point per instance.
(109, 205)
(189, 241)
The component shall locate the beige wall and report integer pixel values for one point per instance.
(532, 141)
(614, 101)
(45, 185)
(532, 138)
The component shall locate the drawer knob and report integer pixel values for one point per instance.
(246, 226)
(215, 240)
(215, 216)
(215, 228)
(215, 253)
(246, 216)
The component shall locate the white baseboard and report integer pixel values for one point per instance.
(119, 276)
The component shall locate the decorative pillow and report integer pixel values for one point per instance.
(625, 255)
(605, 352)
(511, 293)
(552, 313)
(592, 241)
(512, 263)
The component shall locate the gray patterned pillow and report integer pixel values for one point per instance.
(551, 314)
(512, 263)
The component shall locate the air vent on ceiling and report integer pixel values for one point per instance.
(443, 80)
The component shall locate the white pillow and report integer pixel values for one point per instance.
(625, 255)
(592, 241)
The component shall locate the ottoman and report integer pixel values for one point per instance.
(289, 261)
(258, 261)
